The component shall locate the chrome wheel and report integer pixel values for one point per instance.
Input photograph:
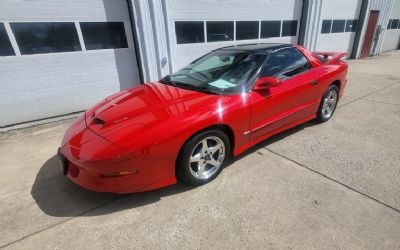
(329, 104)
(207, 157)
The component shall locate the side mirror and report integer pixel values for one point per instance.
(265, 83)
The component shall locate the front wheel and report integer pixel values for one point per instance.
(328, 104)
(203, 157)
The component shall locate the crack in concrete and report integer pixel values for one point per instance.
(371, 100)
(336, 181)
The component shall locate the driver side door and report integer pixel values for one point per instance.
(293, 101)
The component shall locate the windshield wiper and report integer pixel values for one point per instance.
(206, 89)
(183, 85)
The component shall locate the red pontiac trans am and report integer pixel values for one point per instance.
(188, 124)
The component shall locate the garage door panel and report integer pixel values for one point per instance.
(341, 9)
(235, 9)
(41, 86)
(57, 10)
(343, 42)
(391, 40)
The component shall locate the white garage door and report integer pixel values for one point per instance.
(339, 25)
(201, 26)
(59, 57)
(392, 33)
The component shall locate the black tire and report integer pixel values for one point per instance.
(320, 116)
(183, 165)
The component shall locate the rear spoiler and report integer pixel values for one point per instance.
(329, 57)
(320, 58)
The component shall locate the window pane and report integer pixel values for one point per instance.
(395, 23)
(289, 28)
(219, 31)
(36, 38)
(104, 35)
(285, 63)
(5, 45)
(326, 26)
(189, 32)
(270, 29)
(338, 26)
(351, 25)
(247, 30)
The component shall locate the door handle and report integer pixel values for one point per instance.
(315, 82)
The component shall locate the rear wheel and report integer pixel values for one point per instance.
(328, 104)
(203, 157)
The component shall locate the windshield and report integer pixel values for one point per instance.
(218, 72)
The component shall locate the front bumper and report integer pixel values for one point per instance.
(99, 165)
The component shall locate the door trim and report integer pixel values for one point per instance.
(282, 116)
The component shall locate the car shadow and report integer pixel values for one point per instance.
(57, 196)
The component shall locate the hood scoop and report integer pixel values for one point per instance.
(98, 121)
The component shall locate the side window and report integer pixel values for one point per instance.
(285, 63)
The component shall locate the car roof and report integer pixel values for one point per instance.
(257, 47)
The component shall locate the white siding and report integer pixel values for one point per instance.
(45, 85)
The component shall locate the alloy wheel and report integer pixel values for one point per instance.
(207, 157)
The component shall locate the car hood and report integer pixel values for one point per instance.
(143, 107)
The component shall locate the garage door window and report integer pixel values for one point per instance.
(326, 26)
(5, 44)
(351, 25)
(36, 38)
(338, 26)
(247, 30)
(189, 32)
(219, 31)
(289, 28)
(270, 29)
(104, 35)
(394, 24)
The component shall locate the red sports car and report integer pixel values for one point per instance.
(188, 124)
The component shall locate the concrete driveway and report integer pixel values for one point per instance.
(333, 185)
